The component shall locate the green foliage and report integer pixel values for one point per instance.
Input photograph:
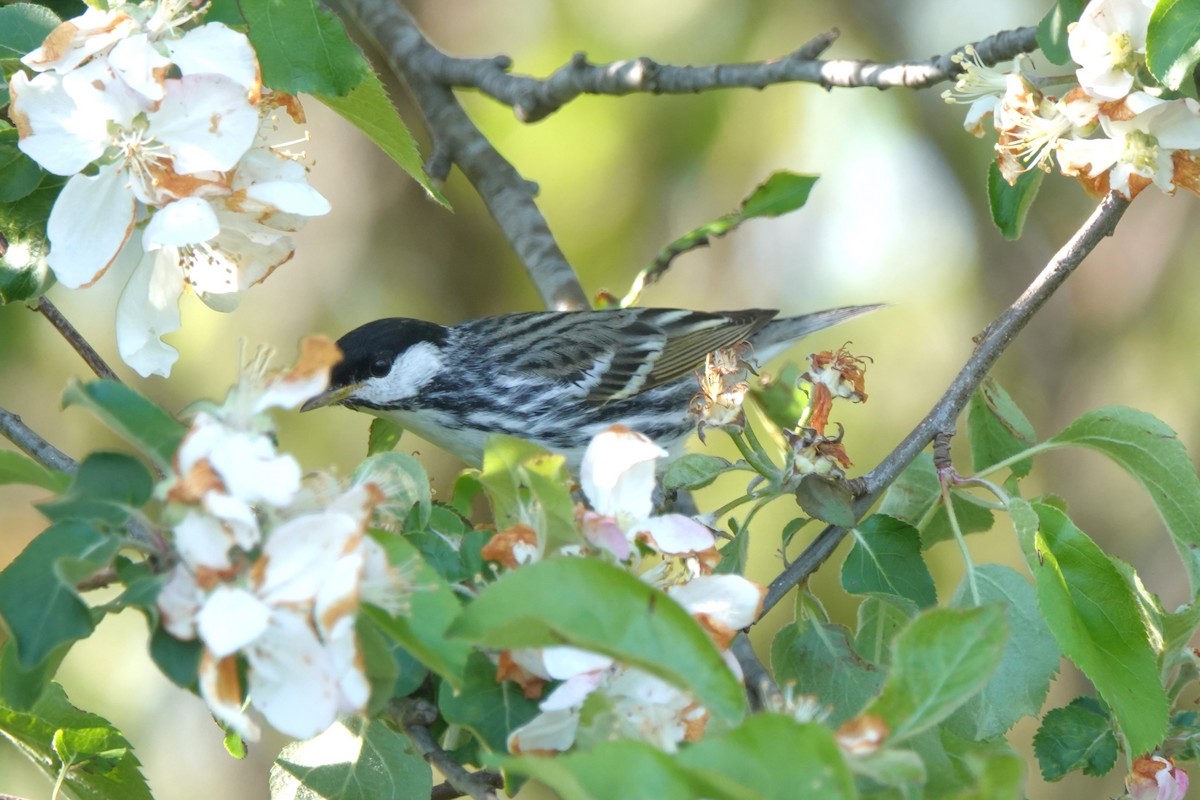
(1076, 736)
(383, 436)
(1010, 203)
(528, 486)
(634, 623)
(1173, 41)
(302, 48)
(24, 273)
(489, 709)
(1091, 610)
(693, 471)
(886, 560)
(84, 751)
(938, 663)
(23, 26)
(16, 468)
(780, 193)
(997, 429)
(38, 600)
(108, 488)
(353, 760)
(1052, 30)
(782, 401)
(1022, 680)
(1152, 454)
(422, 629)
(820, 659)
(368, 108)
(143, 424)
(826, 499)
(19, 174)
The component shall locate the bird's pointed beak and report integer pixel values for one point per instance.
(329, 397)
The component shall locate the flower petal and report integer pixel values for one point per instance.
(231, 619)
(206, 122)
(187, 221)
(149, 309)
(90, 222)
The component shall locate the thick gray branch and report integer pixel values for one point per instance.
(508, 196)
(533, 99)
(990, 344)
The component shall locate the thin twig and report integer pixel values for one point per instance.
(994, 340)
(76, 340)
(761, 688)
(33, 445)
(533, 99)
(508, 196)
(414, 716)
(446, 790)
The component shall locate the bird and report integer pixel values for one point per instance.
(556, 378)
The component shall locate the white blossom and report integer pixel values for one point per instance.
(1108, 42)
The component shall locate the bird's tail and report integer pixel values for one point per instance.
(778, 334)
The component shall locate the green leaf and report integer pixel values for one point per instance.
(23, 27)
(17, 468)
(774, 756)
(528, 486)
(19, 174)
(177, 659)
(24, 273)
(886, 559)
(1022, 681)
(820, 659)
(914, 493)
(826, 499)
(693, 471)
(1052, 30)
(143, 424)
(432, 607)
(383, 437)
(489, 709)
(625, 769)
(107, 487)
(879, 620)
(1095, 619)
(38, 600)
(1151, 452)
(783, 401)
(368, 108)
(939, 662)
(1173, 41)
(353, 760)
(780, 193)
(1077, 736)
(1010, 203)
(381, 668)
(609, 611)
(404, 484)
(997, 429)
(101, 764)
(972, 518)
(303, 48)
(21, 687)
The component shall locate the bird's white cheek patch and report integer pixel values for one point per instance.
(415, 367)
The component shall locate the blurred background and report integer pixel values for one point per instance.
(899, 216)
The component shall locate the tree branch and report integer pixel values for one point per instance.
(990, 344)
(760, 686)
(76, 340)
(414, 716)
(508, 196)
(533, 99)
(33, 445)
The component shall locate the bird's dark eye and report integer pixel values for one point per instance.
(381, 367)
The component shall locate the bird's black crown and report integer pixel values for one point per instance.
(370, 350)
